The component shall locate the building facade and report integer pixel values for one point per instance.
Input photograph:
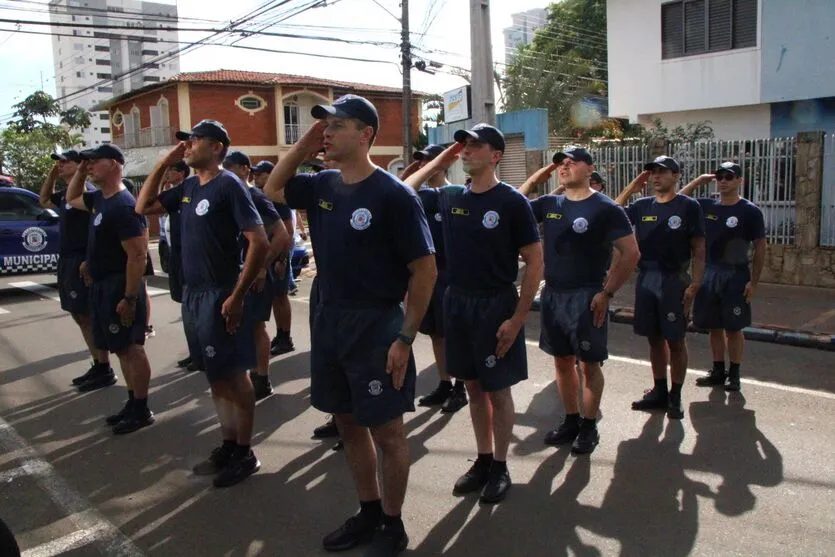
(522, 31)
(264, 113)
(93, 63)
(753, 68)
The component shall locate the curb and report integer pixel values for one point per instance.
(762, 333)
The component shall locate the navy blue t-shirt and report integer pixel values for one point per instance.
(730, 229)
(664, 231)
(430, 199)
(266, 210)
(174, 231)
(578, 238)
(365, 234)
(114, 220)
(212, 217)
(74, 224)
(483, 233)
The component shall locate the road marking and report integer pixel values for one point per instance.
(753, 382)
(66, 543)
(3, 311)
(152, 291)
(88, 522)
(36, 288)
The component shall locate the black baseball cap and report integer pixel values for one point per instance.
(263, 166)
(315, 164)
(237, 157)
(181, 166)
(484, 133)
(664, 162)
(349, 106)
(103, 151)
(731, 167)
(577, 154)
(597, 177)
(429, 153)
(71, 155)
(206, 128)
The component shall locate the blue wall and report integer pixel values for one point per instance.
(789, 118)
(532, 123)
(798, 47)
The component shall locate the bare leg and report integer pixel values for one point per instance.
(361, 456)
(440, 357)
(659, 357)
(391, 438)
(678, 360)
(736, 346)
(243, 403)
(504, 416)
(225, 411)
(592, 389)
(717, 344)
(481, 413)
(135, 366)
(85, 324)
(568, 384)
(262, 348)
(284, 316)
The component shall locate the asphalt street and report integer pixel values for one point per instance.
(742, 474)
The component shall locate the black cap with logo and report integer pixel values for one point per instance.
(206, 128)
(263, 167)
(67, 156)
(731, 167)
(597, 178)
(484, 133)
(577, 154)
(349, 106)
(103, 151)
(428, 153)
(664, 162)
(237, 157)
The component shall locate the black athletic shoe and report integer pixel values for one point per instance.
(565, 433)
(456, 401)
(357, 530)
(82, 378)
(387, 542)
(327, 430)
(675, 410)
(653, 399)
(239, 468)
(437, 397)
(184, 362)
(586, 441)
(283, 344)
(114, 419)
(98, 381)
(498, 484)
(474, 480)
(134, 421)
(712, 379)
(338, 446)
(194, 366)
(261, 384)
(216, 462)
(732, 382)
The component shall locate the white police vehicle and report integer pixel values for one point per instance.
(29, 234)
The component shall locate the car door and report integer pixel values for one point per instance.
(29, 234)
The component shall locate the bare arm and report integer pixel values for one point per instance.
(634, 187)
(509, 330)
(759, 261)
(287, 165)
(280, 241)
(256, 255)
(539, 177)
(137, 252)
(626, 262)
(409, 170)
(441, 163)
(75, 190)
(421, 285)
(700, 181)
(697, 251)
(48, 187)
(148, 201)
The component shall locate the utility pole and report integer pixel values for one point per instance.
(481, 46)
(406, 47)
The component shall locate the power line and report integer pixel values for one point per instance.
(65, 10)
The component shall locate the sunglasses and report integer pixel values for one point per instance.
(725, 177)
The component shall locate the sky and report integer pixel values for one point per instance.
(442, 26)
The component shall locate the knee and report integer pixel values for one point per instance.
(390, 437)
(476, 394)
(565, 364)
(501, 400)
(592, 371)
(677, 346)
(657, 342)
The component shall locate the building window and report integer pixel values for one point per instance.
(149, 53)
(104, 117)
(117, 119)
(150, 79)
(105, 130)
(102, 62)
(690, 27)
(103, 75)
(100, 48)
(251, 103)
(291, 123)
(105, 90)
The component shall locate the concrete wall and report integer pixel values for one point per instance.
(739, 122)
(793, 117)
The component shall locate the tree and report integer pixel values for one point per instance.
(75, 118)
(35, 111)
(564, 69)
(26, 156)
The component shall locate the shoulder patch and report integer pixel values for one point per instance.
(326, 205)
(649, 218)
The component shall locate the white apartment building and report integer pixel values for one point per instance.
(523, 30)
(95, 64)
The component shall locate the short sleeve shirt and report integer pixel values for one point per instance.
(74, 224)
(730, 230)
(113, 221)
(430, 199)
(665, 230)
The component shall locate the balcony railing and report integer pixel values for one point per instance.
(291, 133)
(161, 136)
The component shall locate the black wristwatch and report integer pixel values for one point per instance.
(130, 299)
(608, 294)
(405, 339)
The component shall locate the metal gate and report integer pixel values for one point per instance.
(512, 168)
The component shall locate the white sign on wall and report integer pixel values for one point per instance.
(457, 105)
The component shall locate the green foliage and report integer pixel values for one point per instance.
(564, 66)
(26, 156)
(698, 131)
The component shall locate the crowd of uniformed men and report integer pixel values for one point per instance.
(396, 256)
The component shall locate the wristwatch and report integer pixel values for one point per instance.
(608, 294)
(405, 339)
(130, 299)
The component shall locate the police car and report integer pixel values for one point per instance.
(29, 234)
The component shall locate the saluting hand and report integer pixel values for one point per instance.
(543, 174)
(506, 336)
(449, 155)
(396, 362)
(705, 179)
(600, 308)
(640, 182)
(314, 138)
(409, 170)
(232, 310)
(176, 154)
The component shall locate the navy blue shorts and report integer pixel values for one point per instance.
(720, 302)
(314, 301)
(74, 294)
(433, 321)
(108, 332)
(350, 345)
(223, 355)
(659, 307)
(281, 285)
(568, 325)
(471, 321)
(259, 305)
(175, 276)
(149, 266)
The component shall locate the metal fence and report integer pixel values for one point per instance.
(828, 193)
(767, 164)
